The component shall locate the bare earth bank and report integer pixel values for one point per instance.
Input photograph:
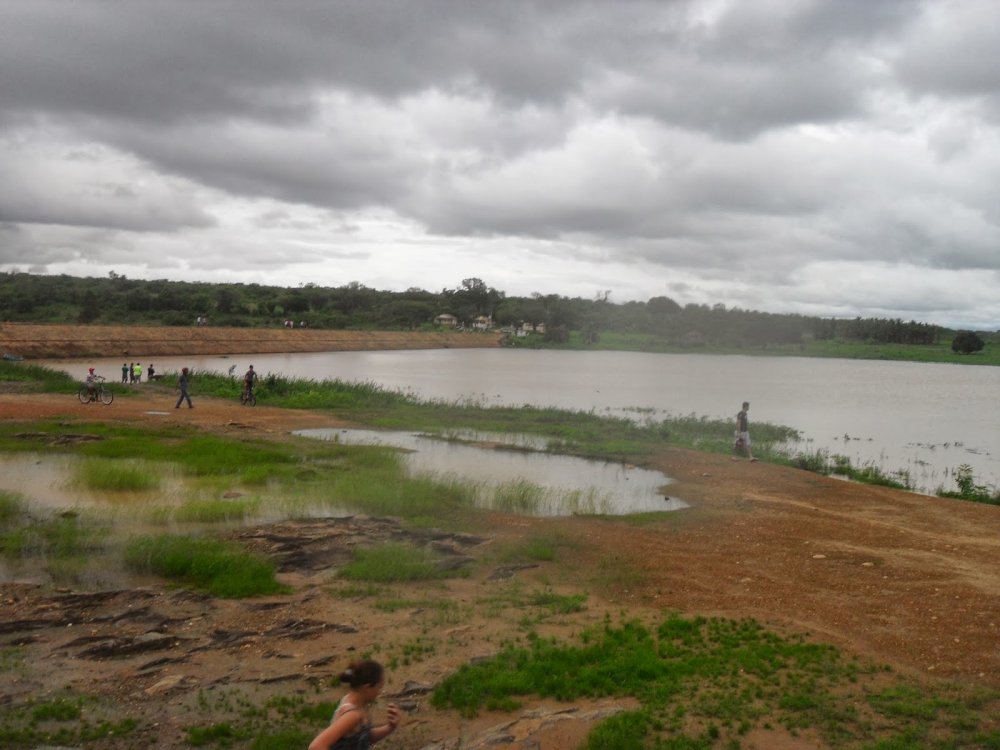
(898, 578)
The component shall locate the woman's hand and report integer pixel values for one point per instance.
(392, 716)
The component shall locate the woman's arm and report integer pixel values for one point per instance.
(341, 726)
(392, 721)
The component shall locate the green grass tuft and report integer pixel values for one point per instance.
(396, 563)
(125, 475)
(222, 569)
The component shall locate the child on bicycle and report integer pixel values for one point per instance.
(248, 382)
(91, 381)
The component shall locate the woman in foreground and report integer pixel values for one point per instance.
(351, 727)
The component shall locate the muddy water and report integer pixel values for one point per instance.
(568, 485)
(926, 419)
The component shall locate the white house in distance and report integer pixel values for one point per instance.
(446, 319)
(483, 322)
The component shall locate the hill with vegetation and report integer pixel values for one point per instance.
(659, 324)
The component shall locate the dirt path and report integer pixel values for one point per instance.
(903, 579)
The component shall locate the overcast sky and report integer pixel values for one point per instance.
(836, 158)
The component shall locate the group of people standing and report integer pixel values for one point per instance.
(132, 372)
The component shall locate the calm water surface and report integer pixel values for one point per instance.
(923, 418)
(569, 485)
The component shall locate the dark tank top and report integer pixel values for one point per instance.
(359, 740)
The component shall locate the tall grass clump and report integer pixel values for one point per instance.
(519, 496)
(36, 378)
(222, 569)
(386, 490)
(107, 475)
(12, 507)
(969, 489)
(821, 462)
(396, 563)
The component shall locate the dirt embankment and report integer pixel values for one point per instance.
(33, 341)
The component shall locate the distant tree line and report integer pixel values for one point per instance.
(119, 300)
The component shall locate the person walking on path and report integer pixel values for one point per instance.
(182, 386)
(137, 371)
(150, 372)
(743, 430)
(125, 372)
(351, 727)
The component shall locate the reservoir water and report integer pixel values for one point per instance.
(923, 418)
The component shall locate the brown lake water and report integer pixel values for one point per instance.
(926, 419)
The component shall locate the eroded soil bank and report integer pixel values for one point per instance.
(894, 577)
(37, 341)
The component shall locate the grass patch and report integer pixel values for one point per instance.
(707, 682)
(12, 508)
(541, 546)
(209, 511)
(562, 604)
(222, 569)
(396, 563)
(37, 379)
(61, 537)
(126, 475)
(64, 720)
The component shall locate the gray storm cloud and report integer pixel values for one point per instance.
(720, 149)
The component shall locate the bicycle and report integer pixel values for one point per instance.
(248, 397)
(92, 393)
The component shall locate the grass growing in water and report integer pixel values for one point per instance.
(704, 682)
(63, 536)
(116, 476)
(396, 563)
(218, 568)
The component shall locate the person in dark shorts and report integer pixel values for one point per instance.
(743, 430)
(182, 386)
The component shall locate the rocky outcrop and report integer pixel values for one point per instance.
(35, 341)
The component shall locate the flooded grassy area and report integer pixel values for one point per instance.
(173, 586)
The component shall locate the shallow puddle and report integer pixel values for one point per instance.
(48, 482)
(568, 484)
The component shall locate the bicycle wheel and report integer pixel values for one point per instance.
(107, 397)
(84, 395)
(251, 400)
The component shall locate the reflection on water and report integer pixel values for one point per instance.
(502, 462)
(927, 419)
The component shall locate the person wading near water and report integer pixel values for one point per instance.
(182, 386)
(743, 430)
(351, 727)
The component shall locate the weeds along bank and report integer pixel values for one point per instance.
(33, 341)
